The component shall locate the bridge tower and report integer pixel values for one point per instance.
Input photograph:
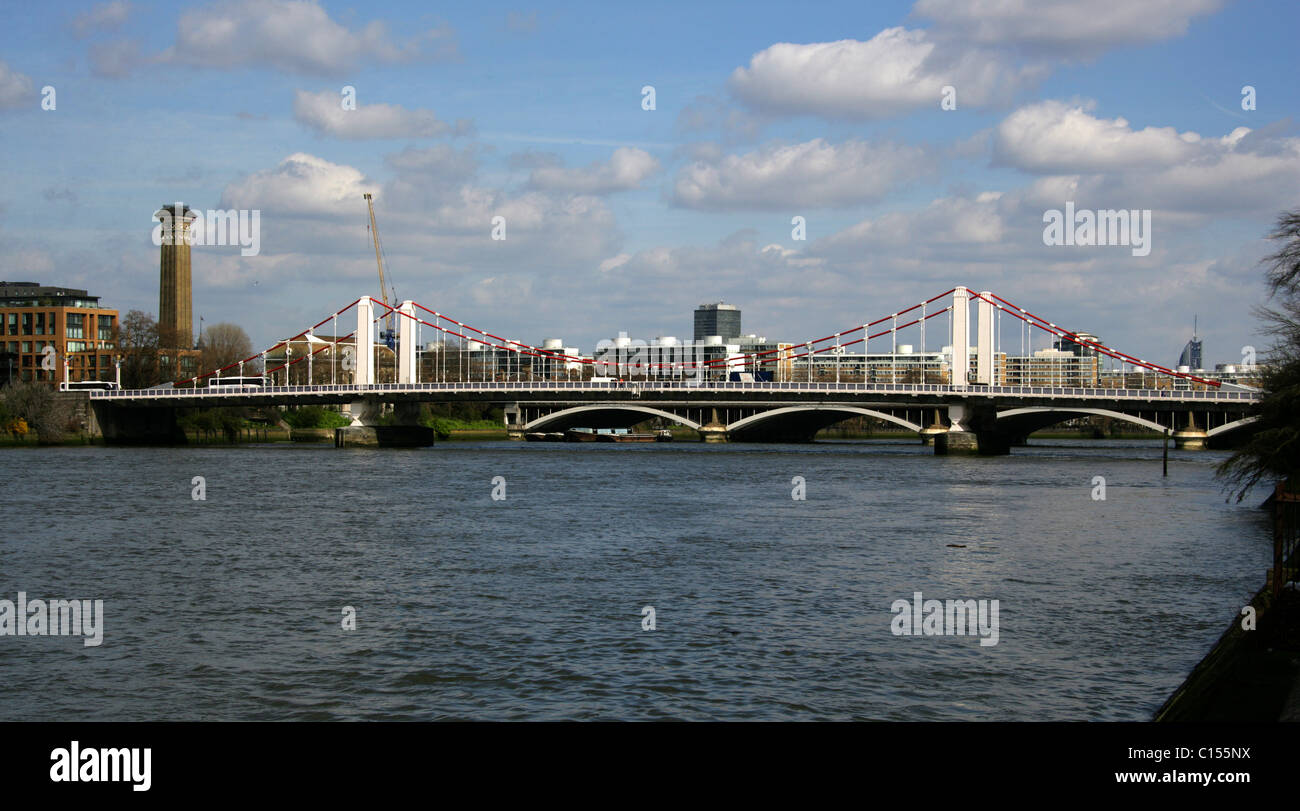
(985, 372)
(365, 342)
(407, 371)
(960, 338)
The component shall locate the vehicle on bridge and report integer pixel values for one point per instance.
(88, 385)
(257, 381)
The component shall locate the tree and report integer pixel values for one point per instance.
(223, 344)
(35, 405)
(138, 342)
(1273, 451)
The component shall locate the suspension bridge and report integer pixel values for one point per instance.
(970, 397)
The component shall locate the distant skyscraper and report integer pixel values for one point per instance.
(1191, 356)
(717, 319)
(175, 290)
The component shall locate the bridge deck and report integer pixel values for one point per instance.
(581, 391)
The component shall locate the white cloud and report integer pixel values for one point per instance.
(895, 71)
(1108, 164)
(1064, 27)
(301, 185)
(324, 113)
(102, 17)
(814, 174)
(624, 170)
(15, 88)
(297, 36)
(1054, 137)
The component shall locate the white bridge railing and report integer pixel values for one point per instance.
(648, 389)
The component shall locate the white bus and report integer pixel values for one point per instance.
(257, 381)
(88, 385)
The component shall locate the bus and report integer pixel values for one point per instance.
(88, 385)
(257, 381)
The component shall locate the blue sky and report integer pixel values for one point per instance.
(619, 218)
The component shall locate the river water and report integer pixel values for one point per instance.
(530, 606)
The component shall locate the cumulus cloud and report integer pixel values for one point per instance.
(624, 170)
(101, 17)
(1107, 162)
(324, 113)
(814, 174)
(1054, 137)
(297, 36)
(301, 184)
(15, 88)
(895, 71)
(1074, 27)
(988, 51)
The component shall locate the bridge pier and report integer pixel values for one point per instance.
(972, 431)
(364, 432)
(138, 425)
(713, 430)
(1190, 438)
(929, 434)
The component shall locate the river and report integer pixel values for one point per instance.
(530, 605)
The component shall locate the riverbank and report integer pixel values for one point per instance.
(1249, 675)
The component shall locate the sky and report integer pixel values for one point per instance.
(620, 218)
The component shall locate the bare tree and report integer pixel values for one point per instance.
(223, 344)
(138, 341)
(45, 412)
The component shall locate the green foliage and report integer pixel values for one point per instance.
(314, 417)
(1273, 451)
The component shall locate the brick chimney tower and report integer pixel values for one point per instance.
(175, 293)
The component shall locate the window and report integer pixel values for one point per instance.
(27, 346)
(76, 325)
(40, 323)
(105, 360)
(13, 323)
(76, 346)
(105, 324)
(27, 323)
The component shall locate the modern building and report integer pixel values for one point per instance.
(1192, 356)
(719, 319)
(40, 321)
(1076, 348)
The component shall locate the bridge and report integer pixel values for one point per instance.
(957, 406)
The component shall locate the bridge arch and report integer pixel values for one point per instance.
(583, 415)
(1042, 416)
(1230, 426)
(821, 415)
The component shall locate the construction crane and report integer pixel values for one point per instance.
(388, 335)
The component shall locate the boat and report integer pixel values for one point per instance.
(544, 436)
(615, 435)
(626, 436)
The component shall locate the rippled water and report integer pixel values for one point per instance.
(530, 608)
